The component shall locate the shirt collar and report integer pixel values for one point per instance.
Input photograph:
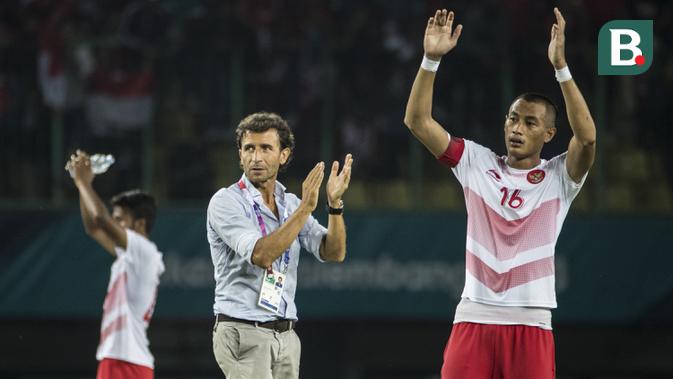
(254, 192)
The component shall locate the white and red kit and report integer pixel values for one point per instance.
(514, 218)
(129, 302)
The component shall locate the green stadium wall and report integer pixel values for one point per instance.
(400, 265)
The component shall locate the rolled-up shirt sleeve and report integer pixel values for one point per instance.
(311, 236)
(232, 222)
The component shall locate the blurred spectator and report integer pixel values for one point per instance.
(121, 93)
(63, 62)
(177, 75)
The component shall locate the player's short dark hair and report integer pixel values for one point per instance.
(260, 122)
(551, 108)
(139, 203)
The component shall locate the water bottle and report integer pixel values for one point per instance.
(99, 163)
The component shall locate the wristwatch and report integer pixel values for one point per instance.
(336, 211)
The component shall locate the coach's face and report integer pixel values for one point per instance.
(261, 155)
(527, 129)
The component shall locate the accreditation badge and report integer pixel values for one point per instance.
(271, 292)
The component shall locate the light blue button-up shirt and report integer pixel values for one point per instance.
(233, 231)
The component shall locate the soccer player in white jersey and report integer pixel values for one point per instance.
(123, 350)
(516, 205)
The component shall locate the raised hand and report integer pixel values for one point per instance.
(556, 51)
(337, 183)
(311, 187)
(79, 166)
(439, 36)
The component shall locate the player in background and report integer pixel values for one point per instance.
(516, 205)
(123, 350)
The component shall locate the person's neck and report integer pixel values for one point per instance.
(267, 189)
(142, 232)
(523, 163)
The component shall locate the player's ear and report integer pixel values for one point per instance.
(549, 134)
(140, 225)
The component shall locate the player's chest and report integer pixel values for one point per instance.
(513, 191)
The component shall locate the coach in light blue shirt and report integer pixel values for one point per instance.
(256, 231)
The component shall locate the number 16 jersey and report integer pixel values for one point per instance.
(514, 218)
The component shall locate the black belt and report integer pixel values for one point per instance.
(281, 325)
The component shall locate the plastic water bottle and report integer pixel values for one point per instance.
(99, 163)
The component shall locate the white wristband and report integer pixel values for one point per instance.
(563, 75)
(429, 64)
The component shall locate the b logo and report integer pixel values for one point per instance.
(625, 47)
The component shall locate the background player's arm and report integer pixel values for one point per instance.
(439, 40)
(96, 219)
(93, 231)
(582, 147)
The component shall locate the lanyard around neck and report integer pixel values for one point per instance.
(260, 220)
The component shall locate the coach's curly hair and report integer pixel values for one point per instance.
(261, 122)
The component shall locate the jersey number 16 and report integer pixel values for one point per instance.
(514, 200)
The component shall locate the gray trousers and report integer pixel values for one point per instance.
(246, 351)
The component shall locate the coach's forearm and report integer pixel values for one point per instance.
(269, 248)
(333, 247)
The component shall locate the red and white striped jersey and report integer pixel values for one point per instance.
(514, 218)
(130, 300)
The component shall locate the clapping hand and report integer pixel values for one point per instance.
(337, 183)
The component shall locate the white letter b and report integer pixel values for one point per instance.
(616, 47)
